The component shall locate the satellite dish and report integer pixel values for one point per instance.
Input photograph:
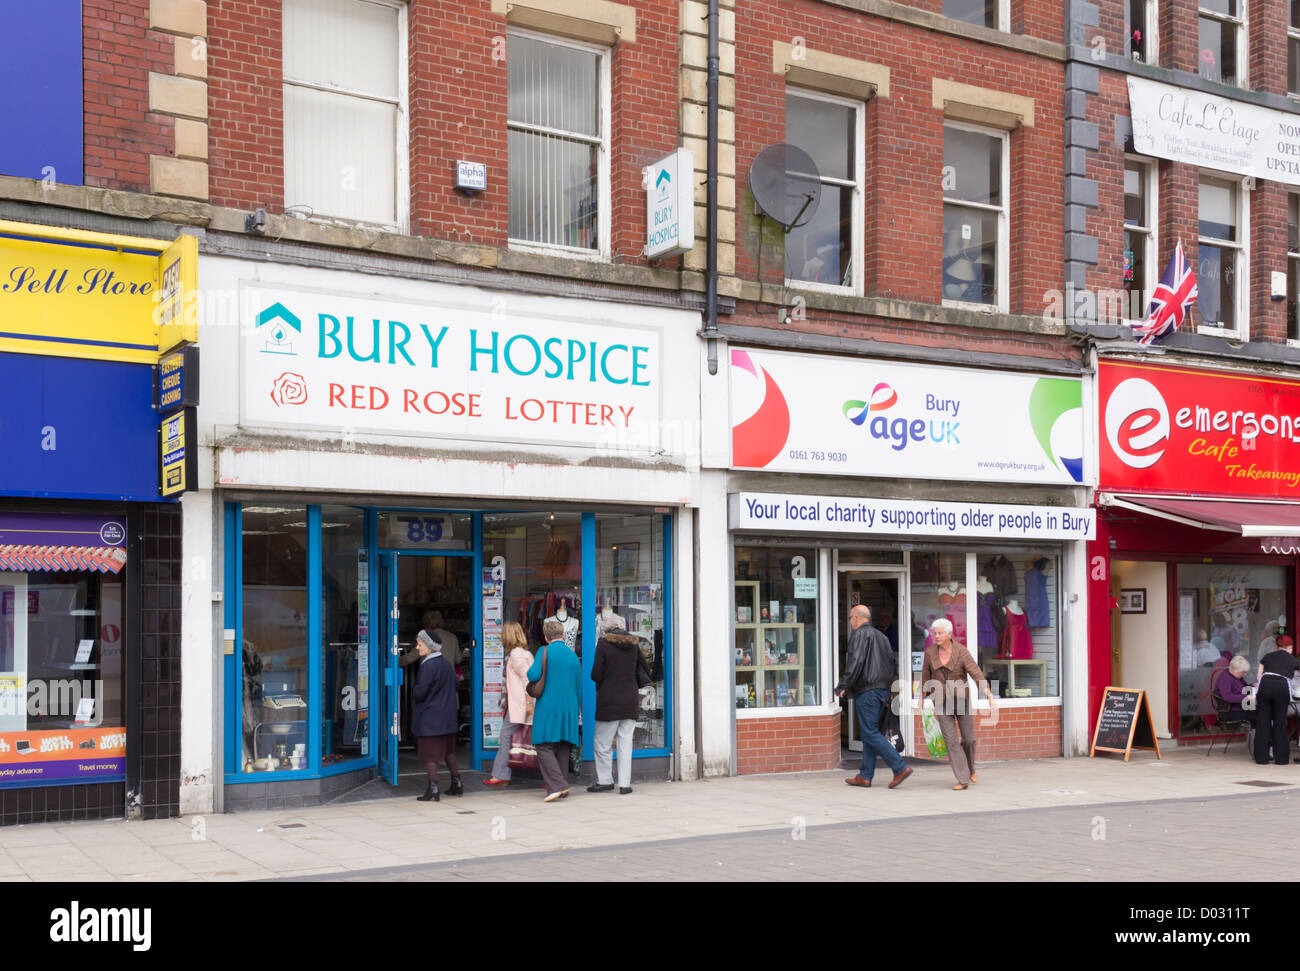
(785, 185)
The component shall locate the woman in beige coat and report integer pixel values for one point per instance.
(518, 707)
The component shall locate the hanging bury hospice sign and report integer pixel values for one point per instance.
(1210, 132)
(669, 205)
(506, 369)
(901, 517)
(855, 416)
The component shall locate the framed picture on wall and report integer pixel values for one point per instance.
(626, 556)
(1133, 601)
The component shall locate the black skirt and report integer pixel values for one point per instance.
(435, 748)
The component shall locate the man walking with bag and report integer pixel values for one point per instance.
(868, 673)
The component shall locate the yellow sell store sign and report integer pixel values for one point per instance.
(73, 293)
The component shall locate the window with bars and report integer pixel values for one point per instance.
(345, 109)
(826, 249)
(558, 140)
(975, 190)
(1222, 25)
(1222, 255)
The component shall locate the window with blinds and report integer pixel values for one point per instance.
(557, 118)
(345, 109)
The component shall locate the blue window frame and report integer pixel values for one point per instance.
(592, 596)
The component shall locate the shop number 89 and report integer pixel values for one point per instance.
(424, 530)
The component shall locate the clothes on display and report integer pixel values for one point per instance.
(570, 624)
(537, 607)
(988, 634)
(1017, 642)
(1001, 573)
(1037, 609)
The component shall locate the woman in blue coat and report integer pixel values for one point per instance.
(555, 718)
(433, 722)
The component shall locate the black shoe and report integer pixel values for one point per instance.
(623, 790)
(597, 787)
(429, 793)
(455, 789)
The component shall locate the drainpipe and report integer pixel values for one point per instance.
(711, 198)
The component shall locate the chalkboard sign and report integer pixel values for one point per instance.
(1124, 723)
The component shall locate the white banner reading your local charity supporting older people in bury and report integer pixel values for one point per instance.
(858, 416)
(1214, 133)
(903, 517)
(459, 365)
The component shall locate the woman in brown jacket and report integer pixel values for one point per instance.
(944, 672)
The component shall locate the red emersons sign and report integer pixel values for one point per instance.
(1207, 433)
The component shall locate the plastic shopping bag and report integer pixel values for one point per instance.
(933, 734)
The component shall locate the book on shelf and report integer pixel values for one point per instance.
(744, 615)
(769, 698)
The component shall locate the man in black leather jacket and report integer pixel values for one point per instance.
(869, 671)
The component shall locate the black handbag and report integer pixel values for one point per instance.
(535, 688)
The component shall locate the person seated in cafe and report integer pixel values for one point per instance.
(1230, 685)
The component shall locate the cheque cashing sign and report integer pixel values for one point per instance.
(72, 293)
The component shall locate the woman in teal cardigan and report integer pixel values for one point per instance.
(555, 718)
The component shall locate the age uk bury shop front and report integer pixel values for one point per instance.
(1198, 526)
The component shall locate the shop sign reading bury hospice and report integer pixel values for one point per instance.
(71, 293)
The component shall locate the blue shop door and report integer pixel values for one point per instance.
(390, 728)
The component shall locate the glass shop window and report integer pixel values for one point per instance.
(274, 715)
(776, 646)
(535, 559)
(1224, 609)
(345, 631)
(630, 587)
(938, 590)
(1017, 623)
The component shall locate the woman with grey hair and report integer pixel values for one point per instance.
(620, 671)
(1230, 685)
(944, 671)
(433, 722)
(555, 717)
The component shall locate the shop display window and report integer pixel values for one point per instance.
(1223, 610)
(346, 589)
(1017, 623)
(274, 592)
(938, 590)
(535, 560)
(775, 641)
(630, 584)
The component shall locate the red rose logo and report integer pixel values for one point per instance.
(289, 389)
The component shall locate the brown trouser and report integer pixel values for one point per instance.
(553, 760)
(960, 753)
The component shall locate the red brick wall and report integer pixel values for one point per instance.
(1021, 733)
(1178, 190)
(245, 105)
(119, 51)
(904, 145)
(805, 744)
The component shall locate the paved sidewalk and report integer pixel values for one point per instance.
(396, 832)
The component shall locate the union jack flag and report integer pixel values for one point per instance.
(1171, 302)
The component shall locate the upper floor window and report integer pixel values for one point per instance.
(558, 122)
(1293, 266)
(983, 13)
(345, 139)
(1293, 49)
(1222, 27)
(826, 249)
(975, 190)
(1140, 273)
(1140, 19)
(1222, 256)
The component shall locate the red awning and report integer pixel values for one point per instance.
(62, 559)
(1274, 519)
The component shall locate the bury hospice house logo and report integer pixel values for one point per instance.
(276, 323)
(1137, 423)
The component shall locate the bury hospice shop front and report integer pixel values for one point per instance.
(1198, 528)
(923, 492)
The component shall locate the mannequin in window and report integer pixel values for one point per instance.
(570, 624)
(988, 634)
(1017, 644)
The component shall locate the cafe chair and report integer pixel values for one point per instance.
(1227, 719)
